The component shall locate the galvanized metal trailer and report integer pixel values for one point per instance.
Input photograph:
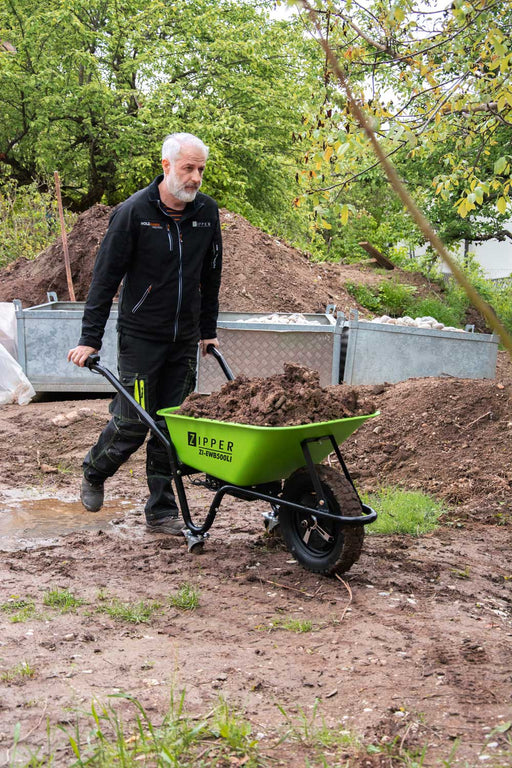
(342, 349)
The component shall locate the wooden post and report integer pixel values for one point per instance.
(64, 238)
(377, 255)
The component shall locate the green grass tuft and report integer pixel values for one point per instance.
(62, 600)
(400, 511)
(186, 598)
(289, 624)
(19, 609)
(134, 613)
(21, 672)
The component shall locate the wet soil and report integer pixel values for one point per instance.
(285, 399)
(411, 647)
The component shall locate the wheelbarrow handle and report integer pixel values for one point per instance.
(93, 364)
(228, 373)
(91, 361)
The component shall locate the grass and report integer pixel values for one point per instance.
(461, 573)
(399, 511)
(23, 608)
(21, 672)
(230, 726)
(105, 738)
(139, 612)
(312, 731)
(186, 598)
(289, 624)
(19, 609)
(220, 738)
(62, 600)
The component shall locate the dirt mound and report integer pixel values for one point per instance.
(261, 273)
(448, 437)
(287, 399)
(30, 280)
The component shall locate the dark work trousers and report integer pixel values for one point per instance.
(159, 375)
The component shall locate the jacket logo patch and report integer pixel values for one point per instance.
(201, 223)
(152, 224)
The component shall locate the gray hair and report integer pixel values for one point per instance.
(173, 144)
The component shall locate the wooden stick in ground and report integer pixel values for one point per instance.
(347, 587)
(64, 238)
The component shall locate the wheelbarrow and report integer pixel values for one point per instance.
(317, 508)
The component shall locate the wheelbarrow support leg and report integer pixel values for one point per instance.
(195, 541)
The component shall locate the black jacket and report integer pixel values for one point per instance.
(170, 272)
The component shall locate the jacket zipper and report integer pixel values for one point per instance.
(142, 299)
(180, 283)
(180, 271)
(216, 253)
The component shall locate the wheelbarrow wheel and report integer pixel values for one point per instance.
(320, 544)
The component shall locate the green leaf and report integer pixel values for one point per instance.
(500, 165)
(503, 727)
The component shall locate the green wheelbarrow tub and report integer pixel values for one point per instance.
(243, 454)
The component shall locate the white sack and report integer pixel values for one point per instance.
(14, 385)
(8, 336)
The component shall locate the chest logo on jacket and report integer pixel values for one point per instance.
(201, 224)
(151, 224)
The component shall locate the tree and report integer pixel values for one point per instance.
(436, 86)
(93, 86)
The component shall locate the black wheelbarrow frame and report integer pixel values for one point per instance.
(312, 483)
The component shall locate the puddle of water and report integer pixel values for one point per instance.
(34, 521)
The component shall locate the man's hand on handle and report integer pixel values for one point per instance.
(204, 345)
(78, 355)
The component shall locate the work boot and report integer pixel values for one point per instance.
(170, 525)
(91, 495)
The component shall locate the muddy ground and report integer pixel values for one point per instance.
(409, 650)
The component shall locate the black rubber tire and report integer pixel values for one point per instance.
(310, 549)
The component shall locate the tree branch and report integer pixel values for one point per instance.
(501, 234)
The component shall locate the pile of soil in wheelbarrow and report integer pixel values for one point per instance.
(287, 399)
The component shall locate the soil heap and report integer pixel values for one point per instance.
(261, 273)
(287, 399)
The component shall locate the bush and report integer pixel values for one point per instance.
(29, 221)
(396, 299)
(365, 296)
(443, 313)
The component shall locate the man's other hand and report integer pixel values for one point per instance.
(204, 343)
(78, 355)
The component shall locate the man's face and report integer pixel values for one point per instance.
(184, 176)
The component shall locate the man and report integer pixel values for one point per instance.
(164, 244)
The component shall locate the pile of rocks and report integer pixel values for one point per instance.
(416, 322)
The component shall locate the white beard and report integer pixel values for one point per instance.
(177, 189)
